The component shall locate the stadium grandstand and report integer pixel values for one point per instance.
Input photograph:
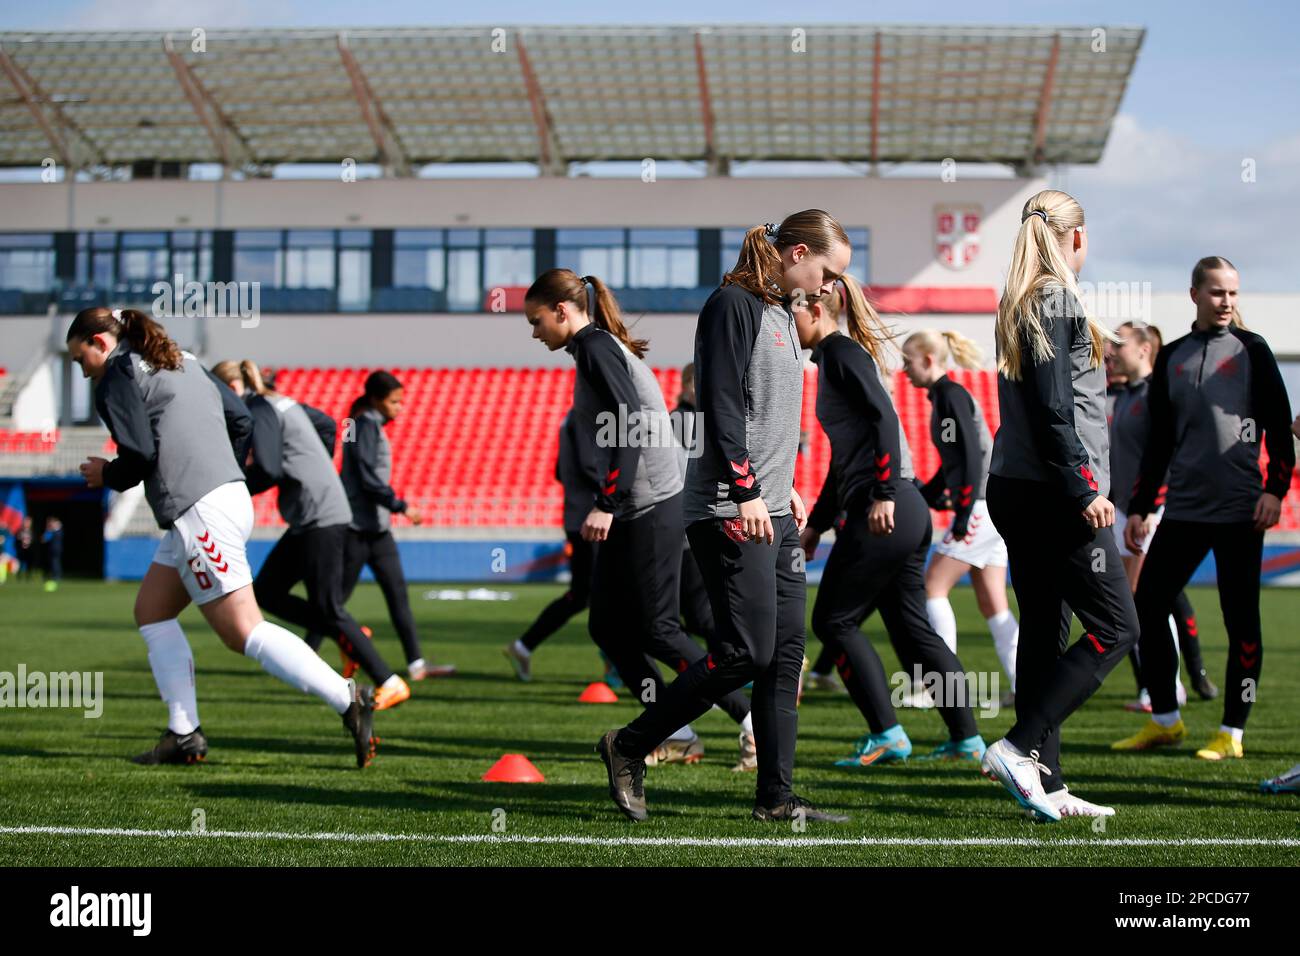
(335, 196)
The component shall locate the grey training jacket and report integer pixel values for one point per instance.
(311, 493)
(178, 431)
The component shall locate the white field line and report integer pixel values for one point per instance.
(574, 840)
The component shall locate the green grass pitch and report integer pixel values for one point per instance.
(280, 762)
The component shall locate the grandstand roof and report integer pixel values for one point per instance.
(554, 95)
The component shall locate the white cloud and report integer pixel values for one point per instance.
(1158, 202)
(170, 15)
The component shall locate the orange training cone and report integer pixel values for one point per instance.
(598, 693)
(514, 768)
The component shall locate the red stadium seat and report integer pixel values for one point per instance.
(476, 447)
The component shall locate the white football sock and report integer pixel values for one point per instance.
(682, 733)
(392, 683)
(521, 650)
(1006, 638)
(943, 620)
(172, 663)
(1235, 731)
(747, 725)
(1167, 720)
(1179, 690)
(283, 655)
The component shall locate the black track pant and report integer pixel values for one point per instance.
(696, 613)
(634, 613)
(825, 662)
(866, 573)
(1189, 640)
(582, 557)
(315, 557)
(758, 593)
(379, 550)
(1058, 565)
(1176, 551)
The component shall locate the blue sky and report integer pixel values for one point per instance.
(1215, 84)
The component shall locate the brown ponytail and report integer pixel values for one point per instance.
(564, 285)
(759, 262)
(252, 376)
(147, 338)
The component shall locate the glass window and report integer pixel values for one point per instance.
(102, 272)
(663, 237)
(309, 268)
(354, 238)
(142, 265)
(589, 237)
(31, 270)
(508, 258)
(144, 240)
(194, 265)
(464, 290)
(507, 237)
(26, 240)
(463, 237)
(257, 239)
(303, 238)
(508, 266)
(419, 261)
(27, 261)
(354, 280)
(663, 258)
(259, 265)
(143, 257)
(103, 240)
(598, 252)
(185, 262)
(419, 268)
(417, 237)
(859, 239)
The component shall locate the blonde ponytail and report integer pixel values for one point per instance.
(963, 350)
(860, 317)
(945, 345)
(1037, 265)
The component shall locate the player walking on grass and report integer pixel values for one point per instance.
(579, 498)
(636, 478)
(1132, 359)
(878, 560)
(697, 616)
(965, 445)
(367, 471)
(743, 515)
(1047, 488)
(183, 434)
(289, 453)
(1216, 395)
